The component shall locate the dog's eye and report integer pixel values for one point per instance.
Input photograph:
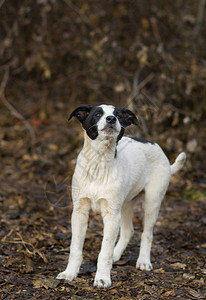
(98, 114)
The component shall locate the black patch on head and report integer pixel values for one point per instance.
(88, 115)
(126, 117)
(81, 112)
(90, 123)
(142, 141)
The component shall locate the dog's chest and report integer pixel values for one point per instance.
(95, 181)
(94, 178)
(95, 191)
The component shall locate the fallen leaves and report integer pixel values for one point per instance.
(159, 271)
(41, 234)
(46, 283)
(188, 276)
(15, 237)
(195, 294)
(178, 266)
(170, 293)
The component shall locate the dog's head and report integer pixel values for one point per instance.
(104, 121)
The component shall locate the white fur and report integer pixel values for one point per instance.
(109, 185)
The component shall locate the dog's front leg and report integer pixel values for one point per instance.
(80, 216)
(111, 227)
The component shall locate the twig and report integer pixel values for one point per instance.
(146, 80)
(12, 108)
(159, 42)
(150, 101)
(22, 240)
(137, 87)
(25, 244)
(76, 10)
(8, 235)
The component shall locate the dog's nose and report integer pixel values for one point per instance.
(111, 119)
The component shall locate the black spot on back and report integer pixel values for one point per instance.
(142, 141)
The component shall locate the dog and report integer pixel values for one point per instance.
(111, 170)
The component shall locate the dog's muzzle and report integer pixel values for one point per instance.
(111, 120)
(110, 126)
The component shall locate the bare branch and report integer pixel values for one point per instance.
(83, 17)
(12, 108)
(136, 90)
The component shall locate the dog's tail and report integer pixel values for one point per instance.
(179, 163)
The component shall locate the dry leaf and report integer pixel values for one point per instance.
(194, 293)
(178, 265)
(169, 294)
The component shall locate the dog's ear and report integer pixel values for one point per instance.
(128, 117)
(81, 112)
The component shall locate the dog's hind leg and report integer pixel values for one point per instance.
(126, 230)
(154, 193)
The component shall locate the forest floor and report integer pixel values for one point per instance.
(35, 207)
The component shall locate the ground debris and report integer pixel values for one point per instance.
(46, 283)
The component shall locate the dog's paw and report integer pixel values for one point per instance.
(102, 282)
(144, 265)
(66, 276)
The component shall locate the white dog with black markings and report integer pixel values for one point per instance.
(111, 171)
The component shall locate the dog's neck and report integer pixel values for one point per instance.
(99, 150)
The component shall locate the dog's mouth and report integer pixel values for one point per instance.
(110, 129)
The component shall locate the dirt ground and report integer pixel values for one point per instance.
(148, 56)
(35, 227)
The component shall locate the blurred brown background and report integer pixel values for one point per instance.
(149, 56)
